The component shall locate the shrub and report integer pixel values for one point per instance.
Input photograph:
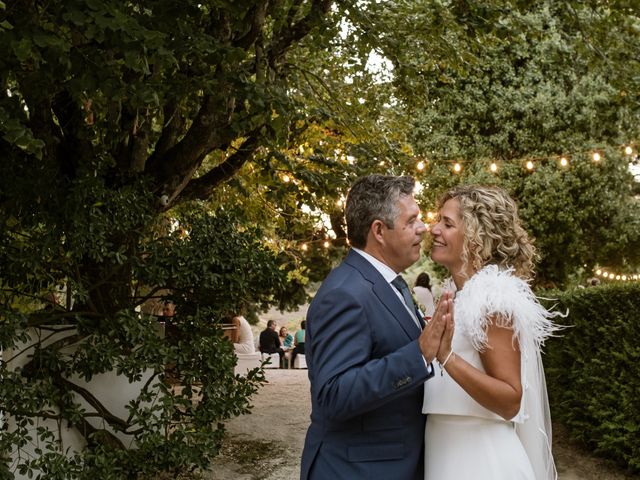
(593, 370)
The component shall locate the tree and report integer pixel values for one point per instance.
(536, 81)
(121, 121)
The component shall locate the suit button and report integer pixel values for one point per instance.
(402, 382)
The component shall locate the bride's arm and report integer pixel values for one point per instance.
(500, 388)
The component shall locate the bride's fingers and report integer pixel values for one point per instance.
(442, 307)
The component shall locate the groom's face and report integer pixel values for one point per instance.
(401, 247)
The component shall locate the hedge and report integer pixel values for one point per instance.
(593, 370)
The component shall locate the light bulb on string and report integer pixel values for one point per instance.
(286, 178)
(628, 150)
(326, 244)
(457, 167)
(564, 162)
(420, 166)
(529, 165)
(596, 157)
(493, 167)
(304, 247)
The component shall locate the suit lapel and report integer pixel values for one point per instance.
(384, 291)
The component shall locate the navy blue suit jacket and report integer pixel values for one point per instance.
(367, 375)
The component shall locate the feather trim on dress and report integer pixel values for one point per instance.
(492, 291)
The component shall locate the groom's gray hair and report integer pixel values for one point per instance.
(374, 197)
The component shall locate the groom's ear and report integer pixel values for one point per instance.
(377, 229)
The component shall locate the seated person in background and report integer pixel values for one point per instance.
(168, 311)
(243, 338)
(270, 341)
(298, 341)
(286, 340)
(424, 295)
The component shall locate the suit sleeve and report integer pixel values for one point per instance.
(346, 380)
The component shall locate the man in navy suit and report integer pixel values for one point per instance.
(367, 353)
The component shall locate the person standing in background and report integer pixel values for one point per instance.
(424, 295)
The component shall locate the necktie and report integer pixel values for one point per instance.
(403, 288)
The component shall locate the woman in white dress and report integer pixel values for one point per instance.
(487, 408)
(424, 295)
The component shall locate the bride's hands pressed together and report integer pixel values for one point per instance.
(445, 349)
(431, 336)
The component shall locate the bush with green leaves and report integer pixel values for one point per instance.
(104, 247)
(593, 371)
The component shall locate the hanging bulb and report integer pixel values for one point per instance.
(457, 167)
(493, 167)
(529, 165)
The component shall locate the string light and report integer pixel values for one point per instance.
(326, 244)
(304, 247)
(420, 166)
(625, 277)
(286, 178)
(564, 160)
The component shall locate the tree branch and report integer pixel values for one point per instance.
(102, 411)
(258, 13)
(71, 120)
(202, 187)
(299, 30)
(210, 129)
(173, 125)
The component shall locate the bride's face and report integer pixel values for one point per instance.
(448, 237)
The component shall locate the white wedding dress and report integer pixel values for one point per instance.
(464, 440)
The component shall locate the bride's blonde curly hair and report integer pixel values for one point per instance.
(493, 233)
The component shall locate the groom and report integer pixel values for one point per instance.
(367, 353)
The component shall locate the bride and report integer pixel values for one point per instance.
(488, 413)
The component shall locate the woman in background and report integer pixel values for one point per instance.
(424, 295)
